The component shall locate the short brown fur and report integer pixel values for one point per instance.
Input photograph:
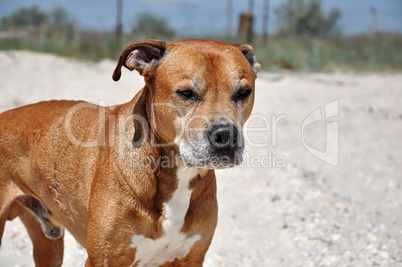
(89, 165)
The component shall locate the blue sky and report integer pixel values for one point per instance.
(196, 17)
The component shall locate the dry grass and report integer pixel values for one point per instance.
(382, 52)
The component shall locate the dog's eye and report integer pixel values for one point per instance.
(187, 94)
(242, 94)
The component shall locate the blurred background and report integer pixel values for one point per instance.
(307, 35)
(307, 213)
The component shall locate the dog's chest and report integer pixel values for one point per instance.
(173, 244)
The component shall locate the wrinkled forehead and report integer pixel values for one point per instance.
(205, 61)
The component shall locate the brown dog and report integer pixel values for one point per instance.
(133, 183)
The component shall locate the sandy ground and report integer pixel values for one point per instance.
(284, 207)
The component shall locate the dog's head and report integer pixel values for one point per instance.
(201, 91)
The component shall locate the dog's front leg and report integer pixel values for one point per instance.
(110, 228)
(109, 245)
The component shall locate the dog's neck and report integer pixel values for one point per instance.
(160, 178)
(158, 168)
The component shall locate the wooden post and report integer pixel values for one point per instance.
(246, 28)
(374, 14)
(229, 17)
(250, 6)
(119, 24)
(265, 22)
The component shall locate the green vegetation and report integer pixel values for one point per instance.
(30, 17)
(55, 32)
(152, 26)
(306, 17)
(361, 53)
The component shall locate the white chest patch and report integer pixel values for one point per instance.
(173, 244)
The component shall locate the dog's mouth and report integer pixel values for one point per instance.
(213, 162)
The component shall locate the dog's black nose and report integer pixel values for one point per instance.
(223, 136)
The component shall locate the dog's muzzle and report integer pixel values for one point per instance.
(226, 145)
(217, 146)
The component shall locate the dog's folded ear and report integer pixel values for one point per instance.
(141, 56)
(248, 52)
